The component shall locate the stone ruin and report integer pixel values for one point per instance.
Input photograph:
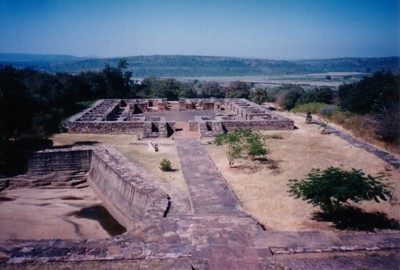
(162, 118)
(133, 197)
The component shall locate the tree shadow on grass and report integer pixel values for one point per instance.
(255, 165)
(80, 143)
(352, 218)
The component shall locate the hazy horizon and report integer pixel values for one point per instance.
(278, 30)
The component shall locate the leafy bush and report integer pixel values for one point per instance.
(290, 99)
(237, 89)
(323, 95)
(242, 143)
(328, 110)
(258, 95)
(313, 107)
(165, 165)
(388, 123)
(334, 187)
(370, 94)
(277, 94)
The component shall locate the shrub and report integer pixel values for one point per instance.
(334, 187)
(388, 123)
(323, 94)
(290, 99)
(313, 107)
(258, 95)
(328, 110)
(165, 165)
(242, 143)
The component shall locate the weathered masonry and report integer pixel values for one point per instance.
(162, 118)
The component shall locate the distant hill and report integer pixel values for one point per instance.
(200, 66)
(22, 57)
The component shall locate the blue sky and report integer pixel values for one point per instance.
(273, 29)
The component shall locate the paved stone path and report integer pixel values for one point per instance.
(223, 234)
(208, 191)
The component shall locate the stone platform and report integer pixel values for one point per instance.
(158, 117)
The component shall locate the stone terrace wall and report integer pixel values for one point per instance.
(127, 192)
(120, 184)
(104, 127)
(60, 160)
(259, 125)
(52, 169)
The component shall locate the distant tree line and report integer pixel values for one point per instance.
(375, 100)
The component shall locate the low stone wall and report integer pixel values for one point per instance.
(59, 160)
(259, 125)
(104, 127)
(127, 117)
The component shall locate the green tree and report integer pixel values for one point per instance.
(332, 188)
(370, 94)
(242, 143)
(323, 94)
(211, 89)
(237, 89)
(16, 105)
(258, 95)
(118, 80)
(290, 99)
(276, 94)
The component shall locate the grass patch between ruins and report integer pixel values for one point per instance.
(261, 186)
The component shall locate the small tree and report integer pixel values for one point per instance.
(290, 99)
(334, 187)
(242, 143)
(165, 165)
(258, 95)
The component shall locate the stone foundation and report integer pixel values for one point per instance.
(127, 116)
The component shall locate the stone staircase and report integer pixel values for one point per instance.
(75, 180)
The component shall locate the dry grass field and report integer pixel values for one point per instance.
(262, 187)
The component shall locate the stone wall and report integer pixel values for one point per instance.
(59, 160)
(104, 127)
(259, 125)
(126, 190)
(126, 116)
(51, 169)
